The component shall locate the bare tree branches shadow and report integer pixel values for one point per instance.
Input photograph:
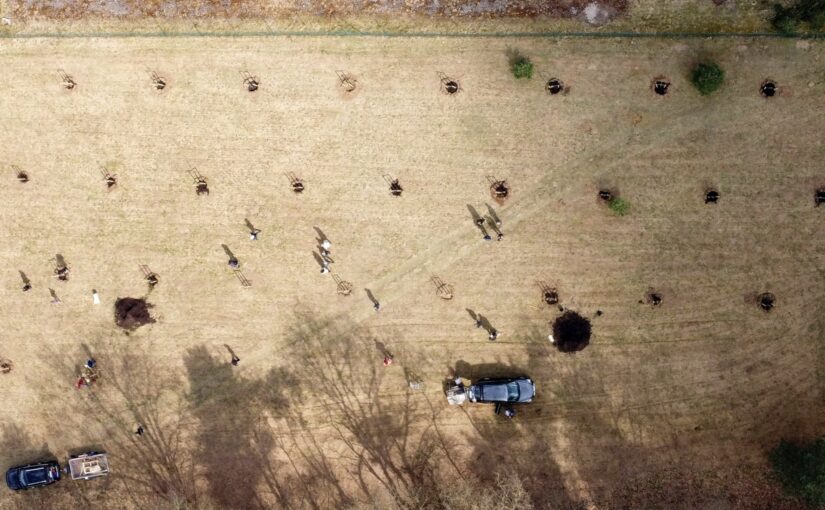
(152, 468)
(388, 441)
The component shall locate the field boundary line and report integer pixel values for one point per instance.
(411, 35)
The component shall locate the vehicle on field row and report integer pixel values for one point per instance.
(80, 467)
(512, 390)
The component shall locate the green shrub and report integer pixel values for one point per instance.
(522, 67)
(800, 469)
(619, 206)
(787, 19)
(707, 78)
(783, 20)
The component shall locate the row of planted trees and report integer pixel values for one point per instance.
(707, 77)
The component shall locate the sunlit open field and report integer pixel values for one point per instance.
(690, 393)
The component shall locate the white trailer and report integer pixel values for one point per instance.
(89, 465)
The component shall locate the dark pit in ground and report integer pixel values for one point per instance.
(766, 301)
(660, 87)
(131, 313)
(571, 332)
(554, 86)
(500, 189)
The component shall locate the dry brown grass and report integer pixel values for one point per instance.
(704, 382)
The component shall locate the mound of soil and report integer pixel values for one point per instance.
(571, 332)
(131, 313)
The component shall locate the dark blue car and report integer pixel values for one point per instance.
(33, 475)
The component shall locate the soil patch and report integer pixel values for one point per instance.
(131, 313)
(571, 332)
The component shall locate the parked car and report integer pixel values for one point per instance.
(515, 390)
(33, 475)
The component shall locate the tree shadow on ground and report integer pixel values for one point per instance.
(514, 447)
(244, 461)
(381, 439)
(231, 437)
(156, 466)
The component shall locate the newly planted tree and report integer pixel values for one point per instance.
(619, 206)
(521, 67)
(707, 78)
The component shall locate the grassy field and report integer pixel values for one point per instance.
(668, 406)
